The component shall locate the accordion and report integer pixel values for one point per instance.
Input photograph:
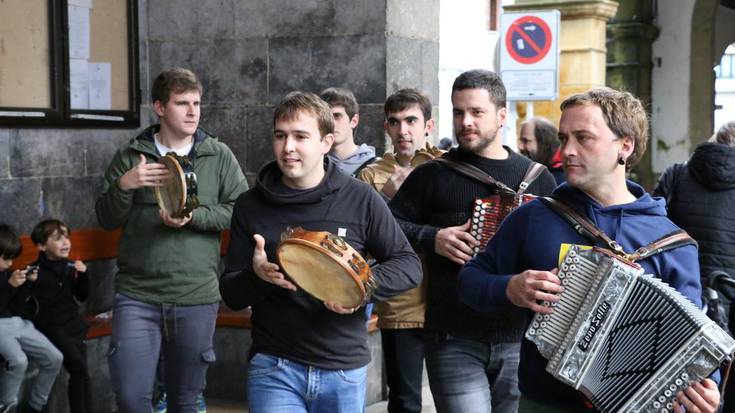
(489, 212)
(629, 342)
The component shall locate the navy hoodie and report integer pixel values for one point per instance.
(292, 324)
(530, 238)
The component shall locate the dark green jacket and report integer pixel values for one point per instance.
(157, 263)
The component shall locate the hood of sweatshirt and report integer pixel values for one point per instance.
(348, 165)
(713, 166)
(268, 183)
(610, 218)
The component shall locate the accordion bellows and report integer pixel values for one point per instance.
(489, 213)
(628, 341)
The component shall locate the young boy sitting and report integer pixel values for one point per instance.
(59, 282)
(19, 340)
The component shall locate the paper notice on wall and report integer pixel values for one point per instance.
(80, 3)
(78, 32)
(100, 85)
(79, 83)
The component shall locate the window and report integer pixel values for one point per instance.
(69, 63)
(726, 68)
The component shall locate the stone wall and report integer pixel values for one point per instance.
(248, 54)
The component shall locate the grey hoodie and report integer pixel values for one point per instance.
(352, 163)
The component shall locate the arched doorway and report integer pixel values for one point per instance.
(725, 88)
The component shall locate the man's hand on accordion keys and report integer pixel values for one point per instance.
(266, 270)
(699, 397)
(529, 288)
(456, 243)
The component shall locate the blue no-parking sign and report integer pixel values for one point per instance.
(529, 54)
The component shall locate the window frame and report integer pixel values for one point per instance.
(60, 113)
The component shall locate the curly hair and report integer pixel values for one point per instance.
(623, 113)
(726, 134)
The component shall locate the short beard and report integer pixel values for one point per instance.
(481, 145)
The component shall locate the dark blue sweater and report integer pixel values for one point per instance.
(530, 238)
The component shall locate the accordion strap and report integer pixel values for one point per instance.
(534, 171)
(587, 229)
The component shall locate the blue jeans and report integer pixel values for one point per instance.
(278, 385)
(20, 341)
(139, 331)
(469, 376)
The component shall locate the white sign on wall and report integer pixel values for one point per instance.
(529, 55)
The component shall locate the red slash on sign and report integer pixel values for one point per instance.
(528, 39)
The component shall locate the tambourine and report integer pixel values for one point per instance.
(178, 196)
(325, 266)
(421, 157)
(425, 154)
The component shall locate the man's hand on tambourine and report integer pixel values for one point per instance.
(172, 222)
(530, 287)
(144, 174)
(456, 243)
(332, 306)
(266, 270)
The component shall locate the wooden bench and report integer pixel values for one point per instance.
(97, 244)
(232, 334)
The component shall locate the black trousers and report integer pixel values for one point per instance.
(404, 364)
(74, 350)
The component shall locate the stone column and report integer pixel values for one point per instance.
(630, 36)
(581, 42)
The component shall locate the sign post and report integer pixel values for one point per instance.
(529, 55)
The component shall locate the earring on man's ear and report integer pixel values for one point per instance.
(621, 161)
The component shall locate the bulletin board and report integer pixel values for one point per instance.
(25, 77)
(68, 62)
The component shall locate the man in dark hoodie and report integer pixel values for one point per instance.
(603, 133)
(700, 195)
(308, 356)
(167, 293)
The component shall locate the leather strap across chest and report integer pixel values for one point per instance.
(587, 229)
(534, 171)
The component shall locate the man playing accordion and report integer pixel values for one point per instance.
(603, 133)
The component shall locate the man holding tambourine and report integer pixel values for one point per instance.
(167, 292)
(310, 351)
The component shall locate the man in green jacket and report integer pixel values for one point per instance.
(167, 291)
